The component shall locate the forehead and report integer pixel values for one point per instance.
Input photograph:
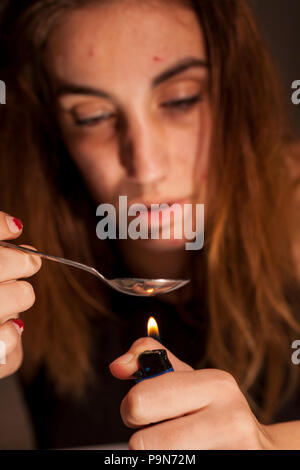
(132, 38)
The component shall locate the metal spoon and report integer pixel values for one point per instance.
(130, 286)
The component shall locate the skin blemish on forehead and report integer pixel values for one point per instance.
(91, 52)
(157, 59)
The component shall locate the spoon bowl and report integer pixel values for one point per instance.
(147, 287)
(126, 285)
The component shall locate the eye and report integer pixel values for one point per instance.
(183, 104)
(90, 121)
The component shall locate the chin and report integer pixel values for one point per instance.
(162, 245)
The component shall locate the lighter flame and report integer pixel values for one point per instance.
(150, 290)
(152, 328)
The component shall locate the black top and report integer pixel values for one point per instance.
(64, 423)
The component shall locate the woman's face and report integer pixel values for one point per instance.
(130, 82)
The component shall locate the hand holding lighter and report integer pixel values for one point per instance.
(152, 363)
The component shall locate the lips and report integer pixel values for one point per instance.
(170, 202)
(164, 214)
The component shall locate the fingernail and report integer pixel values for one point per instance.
(19, 324)
(14, 225)
(124, 359)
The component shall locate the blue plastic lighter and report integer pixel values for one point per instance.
(152, 363)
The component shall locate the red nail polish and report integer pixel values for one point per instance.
(18, 223)
(19, 323)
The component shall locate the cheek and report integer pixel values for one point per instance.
(183, 151)
(189, 141)
(190, 152)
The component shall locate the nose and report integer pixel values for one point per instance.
(143, 151)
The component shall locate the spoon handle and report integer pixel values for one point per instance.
(75, 264)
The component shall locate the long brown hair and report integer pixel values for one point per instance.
(247, 263)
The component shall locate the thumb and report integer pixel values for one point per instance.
(124, 366)
(10, 227)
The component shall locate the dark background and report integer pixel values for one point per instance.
(280, 23)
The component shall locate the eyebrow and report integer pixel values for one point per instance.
(181, 66)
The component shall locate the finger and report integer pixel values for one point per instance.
(213, 428)
(14, 361)
(10, 227)
(16, 264)
(175, 394)
(10, 336)
(181, 433)
(124, 366)
(15, 297)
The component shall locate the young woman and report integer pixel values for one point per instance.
(162, 105)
